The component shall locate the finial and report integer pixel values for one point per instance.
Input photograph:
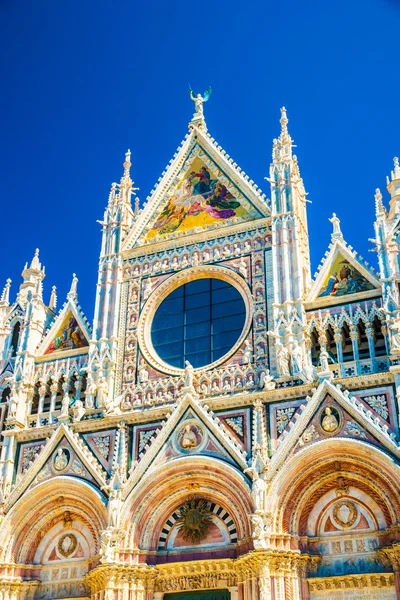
(337, 233)
(127, 163)
(5, 296)
(35, 264)
(72, 294)
(53, 298)
(396, 171)
(284, 121)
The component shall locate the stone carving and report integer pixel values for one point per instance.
(329, 421)
(296, 358)
(267, 382)
(102, 392)
(189, 374)
(78, 410)
(354, 429)
(67, 544)
(283, 416)
(310, 435)
(91, 389)
(247, 352)
(188, 438)
(102, 443)
(61, 459)
(282, 359)
(345, 514)
(379, 403)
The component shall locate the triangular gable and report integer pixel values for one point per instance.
(342, 276)
(70, 333)
(191, 411)
(302, 423)
(201, 189)
(88, 460)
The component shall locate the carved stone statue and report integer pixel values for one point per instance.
(112, 407)
(78, 410)
(65, 406)
(12, 405)
(268, 382)
(329, 422)
(296, 357)
(189, 374)
(143, 374)
(114, 508)
(241, 266)
(102, 391)
(282, 358)
(257, 528)
(336, 224)
(324, 360)
(107, 549)
(258, 493)
(91, 389)
(247, 352)
(199, 100)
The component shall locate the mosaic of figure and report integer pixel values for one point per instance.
(344, 279)
(68, 337)
(199, 200)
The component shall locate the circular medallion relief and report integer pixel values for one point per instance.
(67, 545)
(190, 437)
(330, 420)
(345, 514)
(61, 459)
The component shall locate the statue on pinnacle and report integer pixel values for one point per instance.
(198, 100)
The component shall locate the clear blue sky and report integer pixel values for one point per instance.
(84, 81)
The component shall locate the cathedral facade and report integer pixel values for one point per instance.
(228, 428)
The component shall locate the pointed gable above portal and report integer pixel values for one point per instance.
(70, 331)
(201, 189)
(342, 276)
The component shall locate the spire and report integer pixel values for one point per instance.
(126, 188)
(282, 147)
(53, 298)
(31, 276)
(5, 296)
(73, 294)
(337, 232)
(35, 264)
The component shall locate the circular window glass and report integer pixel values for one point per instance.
(199, 321)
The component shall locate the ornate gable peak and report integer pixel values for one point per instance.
(159, 195)
(211, 422)
(350, 404)
(361, 277)
(88, 459)
(72, 309)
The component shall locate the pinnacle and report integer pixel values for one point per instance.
(284, 121)
(35, 264)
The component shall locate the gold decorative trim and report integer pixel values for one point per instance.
(168, 286)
